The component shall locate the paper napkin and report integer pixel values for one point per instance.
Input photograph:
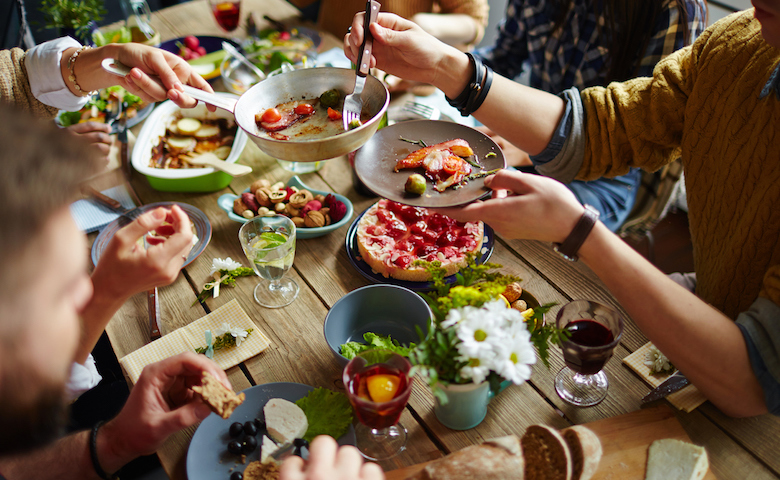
(686, 399)
(91, 215)
(187, 339)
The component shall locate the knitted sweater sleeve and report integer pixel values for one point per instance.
(15, 86)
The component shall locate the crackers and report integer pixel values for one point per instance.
(219, 398)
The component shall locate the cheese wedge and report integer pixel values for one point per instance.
(267, 448)
(671, 459)
(285, 420)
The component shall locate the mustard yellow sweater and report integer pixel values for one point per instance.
(15, 87)
(703, 104)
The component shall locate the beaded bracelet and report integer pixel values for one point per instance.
(72, 76)
(471, 98)
(93, 454)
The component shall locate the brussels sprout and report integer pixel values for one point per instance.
(415, 184)
(331, 98)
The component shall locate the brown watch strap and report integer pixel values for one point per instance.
(569, 248)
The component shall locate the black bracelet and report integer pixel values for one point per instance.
(93, 454)
(474, 90)
(477, 102)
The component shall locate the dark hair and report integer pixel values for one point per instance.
(41, 167)
(628, 29)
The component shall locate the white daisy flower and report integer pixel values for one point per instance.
(476, 331)
(514, 358)
(475, 371)
(228, 264)
(238, 333)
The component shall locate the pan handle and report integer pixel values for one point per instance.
(118, 68)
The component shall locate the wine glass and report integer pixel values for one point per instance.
(378, 387)
(595, 331)
(226, 12)
(269, 244)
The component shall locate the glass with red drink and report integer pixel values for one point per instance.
(378, 386)
(595, 331)
(226, 12)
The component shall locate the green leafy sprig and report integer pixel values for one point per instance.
(223, 341)
(227, 278)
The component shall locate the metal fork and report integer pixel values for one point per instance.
(353, 104)
(422, 110)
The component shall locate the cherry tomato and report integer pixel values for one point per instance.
(334, 114)
(201, 51)
(271, 115)
(452, 165)
(191, 42)
(304, 109)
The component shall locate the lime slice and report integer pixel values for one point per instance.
(268, 240)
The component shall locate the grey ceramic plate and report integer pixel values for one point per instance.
(375, 161)
(208, 458)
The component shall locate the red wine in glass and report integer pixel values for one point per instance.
(587, 333)
(227, 13)
(373, 414)
(595, 331)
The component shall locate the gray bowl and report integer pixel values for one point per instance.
(382, 309)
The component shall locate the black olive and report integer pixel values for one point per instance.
(301, 442)
(250, 443)
(236, 476)
(250, 428)
(234, 447)
(235, 429)
(260, 424)
(298, 451)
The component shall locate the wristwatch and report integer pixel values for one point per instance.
(569, 248)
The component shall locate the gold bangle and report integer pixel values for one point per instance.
(72, 76)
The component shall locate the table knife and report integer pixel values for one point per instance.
(125, 148)
(670, 385)
(153, 304)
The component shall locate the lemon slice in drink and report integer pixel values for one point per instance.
(382, 387)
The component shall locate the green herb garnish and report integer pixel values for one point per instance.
(373, 340)
(415, 142)
(223, 341)
(328, 413)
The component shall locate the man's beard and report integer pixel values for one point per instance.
(29, 423)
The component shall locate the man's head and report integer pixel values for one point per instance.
(768, 13)
(43, 283)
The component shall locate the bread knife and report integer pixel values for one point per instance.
(670, 385)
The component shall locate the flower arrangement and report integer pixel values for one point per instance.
(224, 272)
(225, 336)
(475, 335)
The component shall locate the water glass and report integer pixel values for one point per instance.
(269, 245)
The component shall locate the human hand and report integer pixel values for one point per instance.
(160, 404)
(126, 267)
(328, 460)
(96, 133)
(172, 70)
(400, 47)
(513, 155)
(524, 206)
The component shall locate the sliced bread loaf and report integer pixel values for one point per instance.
(546, 454)
(585, 449)
(498, 459)
(671, 459)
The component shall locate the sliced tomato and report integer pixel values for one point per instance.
(452, 164)
(271, 115)
(304, 109)
(334, 114)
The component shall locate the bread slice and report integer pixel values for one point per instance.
(671, 459)
(498, 459)
(261, 471)
(546, 453)
(284, 420)
(585, 449)
(222, 400)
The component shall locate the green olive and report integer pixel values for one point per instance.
(416, 184)
(331, 98)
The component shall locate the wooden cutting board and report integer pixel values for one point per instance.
(624, 439)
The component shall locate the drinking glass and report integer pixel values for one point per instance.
(595, 331)
(269, 245)
(378, 387)
(226, 12)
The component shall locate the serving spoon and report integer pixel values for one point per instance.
(208, 159)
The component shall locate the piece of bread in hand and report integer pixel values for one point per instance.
(546, 454)
(671, 459)
(497, 459)
(585, 449)
(218, 397)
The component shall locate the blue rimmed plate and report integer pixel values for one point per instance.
(353, 253)
(225, 202)
(197, 217)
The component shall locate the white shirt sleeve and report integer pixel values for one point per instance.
(82, 378)
(43, 71)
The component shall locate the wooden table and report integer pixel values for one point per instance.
(737, 448)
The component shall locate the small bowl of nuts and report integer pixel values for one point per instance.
(314, 212)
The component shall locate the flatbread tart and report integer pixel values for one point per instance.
(391, 236)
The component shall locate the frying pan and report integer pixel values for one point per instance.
(305, 84)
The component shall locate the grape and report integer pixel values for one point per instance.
(234, 447)
(301, 442)
(259, 424)
(250, 443)
(236, 476)
(235, 429)
(250, 428)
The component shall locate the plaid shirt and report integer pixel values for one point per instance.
(576, 55)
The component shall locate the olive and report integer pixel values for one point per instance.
(301, 442)
(250, 443)
(260, 424)
(235, 429)
(297, 451)
(234, 447)
(331, 98)
(250, 428)
(236, 476)
(415, 184)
